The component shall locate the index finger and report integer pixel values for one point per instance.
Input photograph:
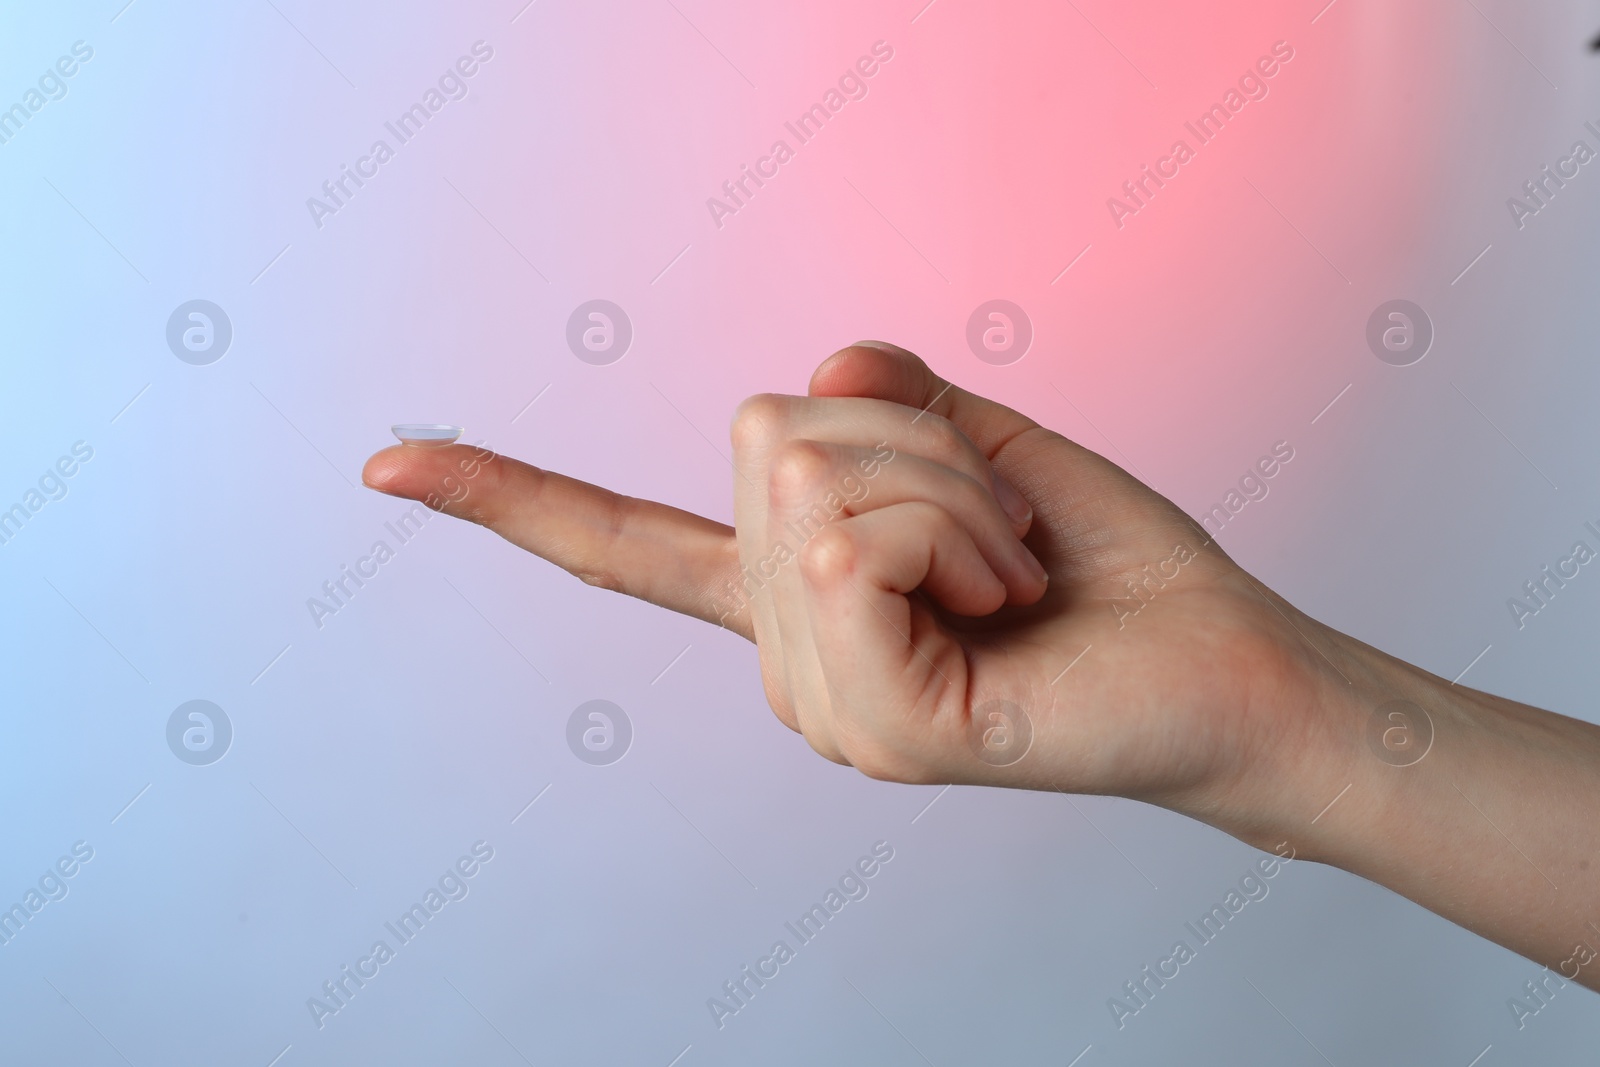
(655, 552)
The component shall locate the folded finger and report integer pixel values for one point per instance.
(897, 681)
(887, 427)
(817, 482)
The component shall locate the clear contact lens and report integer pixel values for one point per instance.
(426, 433)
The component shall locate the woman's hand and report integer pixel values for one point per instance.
(941, 590)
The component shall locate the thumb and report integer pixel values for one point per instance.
(1021, 450)
(657, 553)
(887, 372)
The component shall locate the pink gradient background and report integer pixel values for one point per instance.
(1221, 319)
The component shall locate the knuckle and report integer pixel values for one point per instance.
(757, 421)
(594, 569)
(796, 471)
(777, 694)
(872, 757)
(601, 580)
(830, 557)
(944, 434)
(952, 447)
(824, 747)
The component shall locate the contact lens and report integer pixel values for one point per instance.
(426, 433)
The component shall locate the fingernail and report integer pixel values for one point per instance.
(1016, 507)
(882, 346)
(1035, 568)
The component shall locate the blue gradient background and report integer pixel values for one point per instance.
(426, 714)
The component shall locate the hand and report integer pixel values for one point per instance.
(889, 575)
(892, 538)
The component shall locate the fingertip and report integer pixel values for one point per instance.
(866, 368)
(1030, 592)
(413, 472)
(996, 595)
(825, 380)
(382, 469)
(1028, 582)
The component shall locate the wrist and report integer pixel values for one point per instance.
(1477, 807)
(1379, 760)
(1344, 730)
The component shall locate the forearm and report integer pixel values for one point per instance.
(1480, 809)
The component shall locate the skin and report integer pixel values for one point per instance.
(970, 564)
